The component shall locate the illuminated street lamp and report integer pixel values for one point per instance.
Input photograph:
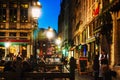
(36, 10)
(50, 33)
(36, 13)
(7, 44)
(58, 41)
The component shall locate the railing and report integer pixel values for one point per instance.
(34, 76)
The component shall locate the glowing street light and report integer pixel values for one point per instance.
(58, 41)
(7, 44)
(36, 13)
(36, 10)
(50, 33)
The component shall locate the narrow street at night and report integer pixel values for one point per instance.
(59, 39)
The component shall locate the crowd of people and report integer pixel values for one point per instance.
(17, 65)
(21, 65)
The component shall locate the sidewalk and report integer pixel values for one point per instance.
(83, 77)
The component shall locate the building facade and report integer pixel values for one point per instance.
(95, 26)
(16, 28)
(46, 46)
(63, 28)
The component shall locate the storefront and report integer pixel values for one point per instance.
(13, 48)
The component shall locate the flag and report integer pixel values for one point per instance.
(96, 9)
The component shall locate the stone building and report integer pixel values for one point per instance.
(95, 26)
(63, 26)
(16, 27)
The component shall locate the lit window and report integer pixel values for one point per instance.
(12, 33)
(24, 12)
(4, 5)
(2, 12)
(24, 5)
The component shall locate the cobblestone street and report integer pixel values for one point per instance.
(83, 77)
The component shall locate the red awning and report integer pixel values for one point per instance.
(14, 40)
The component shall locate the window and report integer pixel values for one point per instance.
(23, 34)
(90, 30)
(13, 12)
(12, 33)
(2, 26)
(105, 3)
(84, 36)
(2, 33)
(12, 26)
(118, 42)
(3, 12)
(78, 24)
(24, 12)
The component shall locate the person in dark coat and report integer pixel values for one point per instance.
(96, 67)
(26, 66)
(8, 66)
(103, 58)
(72, 67)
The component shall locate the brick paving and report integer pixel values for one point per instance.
(83, 77)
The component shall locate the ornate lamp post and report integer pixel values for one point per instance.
(36, 13)
(36, 10)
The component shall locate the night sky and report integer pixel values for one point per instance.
(50, 12)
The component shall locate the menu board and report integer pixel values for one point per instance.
(83, 64)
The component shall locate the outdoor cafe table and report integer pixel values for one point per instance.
(49, 67)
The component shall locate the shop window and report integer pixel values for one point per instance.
(24, 51)
(2, 51)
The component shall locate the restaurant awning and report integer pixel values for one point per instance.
(15, 41)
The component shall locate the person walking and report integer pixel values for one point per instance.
(103, 64)
(72, 68)
(96, 67)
